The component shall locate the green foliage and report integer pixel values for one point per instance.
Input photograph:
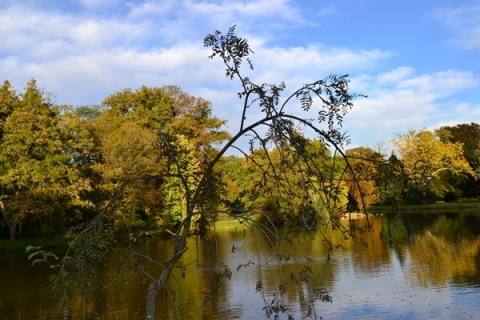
(364, 177)
(425, 158)
(393, 182)
(38, 177)
(149, 138)
(37, 255)
(469, 136)
(286, 187)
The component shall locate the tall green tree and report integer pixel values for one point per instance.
(38, 177)
(84, 146)
(393, 182)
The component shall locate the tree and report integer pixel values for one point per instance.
(327, 100)
(37, 177)
(469, 136)
(8, 101)
(363, 186)
(425, 158)
(154, 132)
(335, 102)
(393, 182)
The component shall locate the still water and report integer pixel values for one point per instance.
(417, 266)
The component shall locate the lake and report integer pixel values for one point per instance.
(410, 266)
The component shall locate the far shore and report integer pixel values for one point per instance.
(52, 241)
(434, 207)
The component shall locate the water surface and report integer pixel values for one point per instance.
(421, 266)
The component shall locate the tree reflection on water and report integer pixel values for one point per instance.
(412, 266)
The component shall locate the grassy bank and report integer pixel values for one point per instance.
(46, 242)
(226, 224)
(434, 207)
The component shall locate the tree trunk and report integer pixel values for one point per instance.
(180, 248)
(152, 294)
(20, 227)
(160, 283)
(12, 227)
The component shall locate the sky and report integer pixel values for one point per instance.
(417, 61)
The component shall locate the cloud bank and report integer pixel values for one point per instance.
(84, 50)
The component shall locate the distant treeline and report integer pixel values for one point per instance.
(61, 166)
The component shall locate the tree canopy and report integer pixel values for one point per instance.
(37, 175)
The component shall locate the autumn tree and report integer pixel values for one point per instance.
(469, 135)
(8, 101)
(139, 132)
(425, 158)
(236, 175)
(363, 181)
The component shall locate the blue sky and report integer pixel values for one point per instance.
(418, 61)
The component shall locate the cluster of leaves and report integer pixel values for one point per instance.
(78, 268)
(288, 187)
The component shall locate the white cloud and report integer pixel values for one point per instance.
(321, 58)
(87, 53)
(464, 22)
(443, 83)
(89, 78)
(400, 100)
(42, 35)
(395, 76)
(95, 4)
(180, 19)
(280, 9)
(148, 9)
